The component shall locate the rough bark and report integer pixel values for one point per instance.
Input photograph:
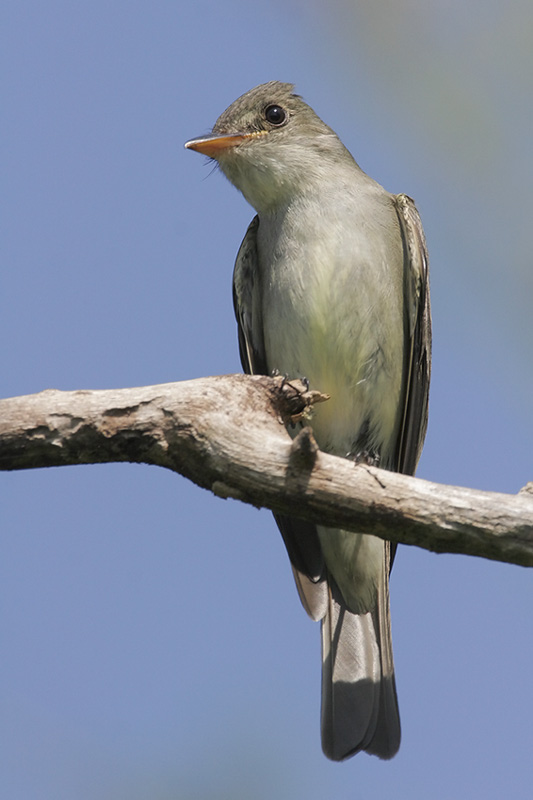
(228, 434)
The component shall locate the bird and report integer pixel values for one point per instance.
(331, 284)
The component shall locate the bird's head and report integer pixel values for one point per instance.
(270, 144)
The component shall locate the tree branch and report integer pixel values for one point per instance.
(227, 434)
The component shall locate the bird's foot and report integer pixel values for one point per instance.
(369, 457)
(300, 399)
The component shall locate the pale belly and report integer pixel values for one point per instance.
(344, 349)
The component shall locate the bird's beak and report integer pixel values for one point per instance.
(213, 146)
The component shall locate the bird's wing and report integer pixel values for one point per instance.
(418, 366)
(246, 304)
(300, 537)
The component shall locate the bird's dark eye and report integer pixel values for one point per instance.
(275, 115)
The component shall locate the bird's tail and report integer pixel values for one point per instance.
(359, 703)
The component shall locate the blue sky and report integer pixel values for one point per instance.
(154, 645)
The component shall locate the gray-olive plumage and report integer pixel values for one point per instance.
(331, 283)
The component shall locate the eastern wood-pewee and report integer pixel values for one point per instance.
(331, 284)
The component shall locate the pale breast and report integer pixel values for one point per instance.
(332, 309)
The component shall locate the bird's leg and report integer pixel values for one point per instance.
(362, 451)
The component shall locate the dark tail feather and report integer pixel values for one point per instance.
(359, 703)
